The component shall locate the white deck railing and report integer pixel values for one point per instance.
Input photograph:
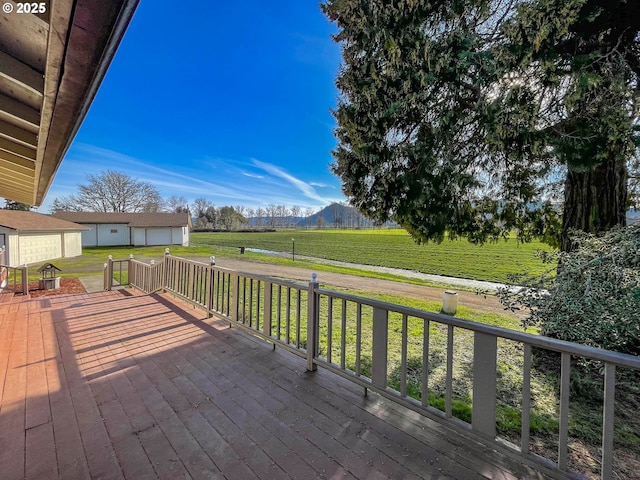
(351, 336)
(12, 279)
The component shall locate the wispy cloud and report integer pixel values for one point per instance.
(307, 190)
(222, 181)
(251, 175)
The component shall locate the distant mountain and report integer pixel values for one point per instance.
(338, 215)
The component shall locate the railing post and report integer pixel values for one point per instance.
(607, 420)
(484, 384)
(190, 281)
(268, 310)
(379, 348)
(25, 280)
(210, 293)
(167, 254)
(313, 321)
(108, 280)
(131, 276)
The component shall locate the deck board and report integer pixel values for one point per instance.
(113, 385)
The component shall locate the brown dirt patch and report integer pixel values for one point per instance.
(486, 303)
(67, 286)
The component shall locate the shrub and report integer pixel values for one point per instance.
(594, 298)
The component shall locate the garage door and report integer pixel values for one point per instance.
(38, 248)
(158, 236)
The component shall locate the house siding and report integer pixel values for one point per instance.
(72, 244)
(113, 234)
(90, 237)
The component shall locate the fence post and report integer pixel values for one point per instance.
(131, 274)
(210, 293)
(379, 348)
(25, 280)
(165, 270)
(484, 384)
(108, 278)
(313, 322)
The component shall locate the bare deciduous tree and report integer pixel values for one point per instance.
(177, 204)
(111, 191)
(295, 214)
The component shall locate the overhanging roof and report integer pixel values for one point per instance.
(51, 65)
(34, 222)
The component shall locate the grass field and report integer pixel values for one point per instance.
(393, 248)
(389, 248)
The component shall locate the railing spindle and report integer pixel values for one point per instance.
(288, 332)
(329, 328)
(267, 316)
(448, 395)
(563, 437)
(298, 317)
(526, 400)
(258, 290)
(226, 278)
(358, 339)
(608, 413)
(279, 316)
(403, 356)
(425, 364)
(343, 336)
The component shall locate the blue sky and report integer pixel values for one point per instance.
(224, 100)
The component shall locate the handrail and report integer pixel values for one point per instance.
(593, 353)
(14, 279)
(315, 322)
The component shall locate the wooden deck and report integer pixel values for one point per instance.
(124, 385)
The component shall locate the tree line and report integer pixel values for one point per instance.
(112, 191)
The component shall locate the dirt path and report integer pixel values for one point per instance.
(487, 303)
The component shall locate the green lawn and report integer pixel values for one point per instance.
(389, 248)
(393, 248)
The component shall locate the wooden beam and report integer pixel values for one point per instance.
(49, 158)
(21, 185)
(17, 149)
(24, 36)
(21, 73)
(17, 163)
(17, 134)
(19, 114)
(18, 195)
(22, 182)
(97, 29)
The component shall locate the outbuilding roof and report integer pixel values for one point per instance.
(131, 219)
(32, 221)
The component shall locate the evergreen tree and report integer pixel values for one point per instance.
(13, 205)
(479, 117)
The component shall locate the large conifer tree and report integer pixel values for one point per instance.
(475, 118)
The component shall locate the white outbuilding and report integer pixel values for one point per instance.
(30, 237)
(137, 229)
